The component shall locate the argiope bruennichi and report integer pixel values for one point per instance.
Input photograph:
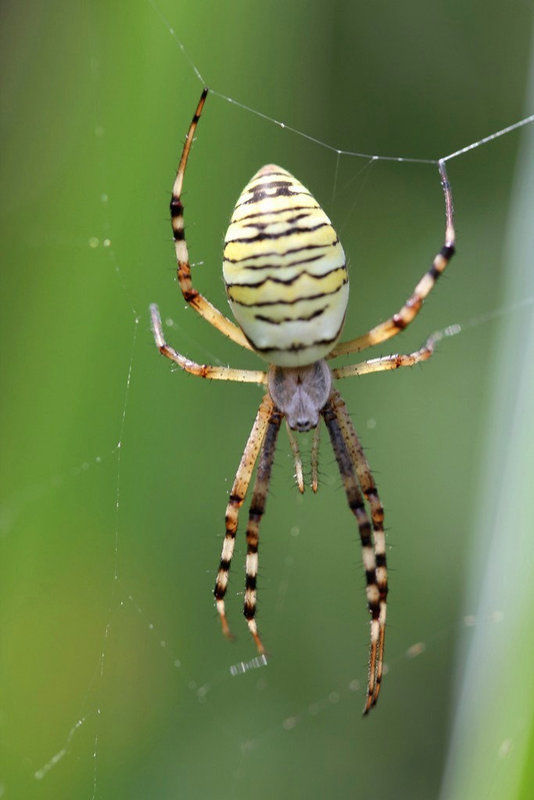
(287, 284)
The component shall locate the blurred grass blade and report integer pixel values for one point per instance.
(492, 729)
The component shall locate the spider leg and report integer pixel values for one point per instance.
(191, 295)
(399, 321)
(236, 499)
(368, 485)
(257, 509)
(357, 506)
(200, 370)
(389, 362)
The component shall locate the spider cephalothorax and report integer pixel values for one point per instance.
(287, 284)
(300, 393)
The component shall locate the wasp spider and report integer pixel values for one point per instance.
(287, 284)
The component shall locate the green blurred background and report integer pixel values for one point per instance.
(115, 680)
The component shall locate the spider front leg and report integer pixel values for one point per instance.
(345, 462)
(368, 485)
(235, 501)
(399, 321)
(257, 509)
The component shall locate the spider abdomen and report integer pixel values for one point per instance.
(284, 270)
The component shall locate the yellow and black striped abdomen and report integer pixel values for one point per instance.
(284, 270)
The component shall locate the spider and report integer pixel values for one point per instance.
(287, 285)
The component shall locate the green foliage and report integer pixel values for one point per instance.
(115, 470)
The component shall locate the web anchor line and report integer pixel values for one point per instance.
(339, 151)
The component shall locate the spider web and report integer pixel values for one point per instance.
(116, 469)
